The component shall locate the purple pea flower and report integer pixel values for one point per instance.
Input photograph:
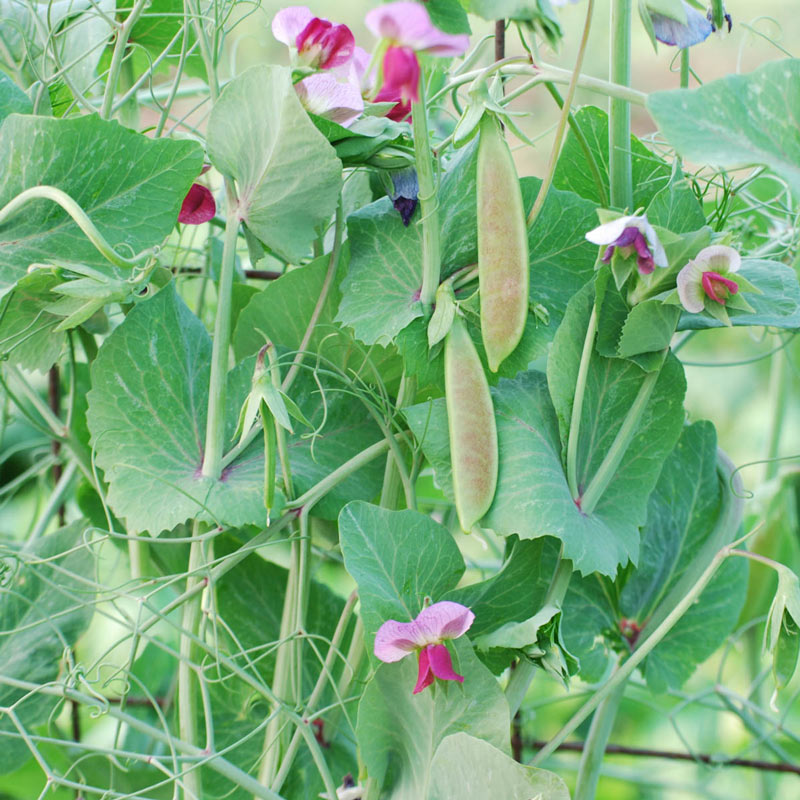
(408, 30)
(198, 206)
(696, 29)
(631, 234)
(319, 43)
(426, 635)
(704, 278)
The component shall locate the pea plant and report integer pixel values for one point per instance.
(339, 460)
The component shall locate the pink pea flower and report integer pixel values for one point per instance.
(705, 278)
(425, 635)
(408, 30)
(198, 206)
(319, 43)
(334, 94)
(631, 234)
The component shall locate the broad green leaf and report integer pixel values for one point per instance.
(465, 766)
(504, 9)
(147, 417)
(27, 337)
(676, 208)
(648, 328)
(399, 732)
(131, 187)
(682, 520)
(448, 16)
(12, 99)
(45, 605)
(778, 305)
(380, 294)
(364, 139)
(287, 175)
(738, 120)
(397, 558)
(575, 173)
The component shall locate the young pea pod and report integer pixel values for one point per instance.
(270, 450)
(473, 433)
(502, 246)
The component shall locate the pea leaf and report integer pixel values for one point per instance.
(12, 99)
(399, 732)
(130, 186)
(287, 175)
(738, 120)
(448, 16)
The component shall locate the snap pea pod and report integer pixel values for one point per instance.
(471, 423)
(502, 246)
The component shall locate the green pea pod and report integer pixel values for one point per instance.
(502, 246)
(473, 433)
(270, 448)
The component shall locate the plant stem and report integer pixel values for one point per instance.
(121, 44)
(54, 502)
(215, 423)
(429, 202)
(577, 407)
(595, 747)
(619, 116)
(607, 469)
(562, 122)
(685, 68)
(779, 380)
(187, 705)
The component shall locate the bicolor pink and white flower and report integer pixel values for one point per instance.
(406, 29)
(632, 234)
(318, 43)
(708, 278)
(426, 635)
(198, 206)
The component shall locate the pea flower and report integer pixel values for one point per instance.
(406, 28)
(707, 283)
(696, 29)
(198, 206)
(319, 43)
(426, 635)
(631, 234)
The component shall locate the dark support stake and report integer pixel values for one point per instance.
(499, 40)
(54, 397)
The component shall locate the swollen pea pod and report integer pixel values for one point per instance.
(502, 246)
(473, 433)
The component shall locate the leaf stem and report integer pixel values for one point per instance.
(215, 423)
(118, 56)
(608, 467)
(562, 122)
(429, 202)
(619, 114)
(577, 407)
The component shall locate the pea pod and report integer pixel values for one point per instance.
(502, 246)
(473, 433)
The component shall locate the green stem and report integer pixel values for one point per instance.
(641, 652)
(685, 68)
(779, 380)
(607, 469)
(118, 55)
(562, 122)
(187, 689)
(619, 117)
(429, 202)
(595, 747)
(215, 425)
(577, 407)
(80, 218)
(54, 501)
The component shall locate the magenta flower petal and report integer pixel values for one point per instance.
(409, 25)
(198, 206)
(401, 73)
(425, 674)
(334, 95)
(325, 45)
(289, 22)
(717, 287)
(395, 640)
(443, 620)
(441, 664)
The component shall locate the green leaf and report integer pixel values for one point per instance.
(738, 120)
(364, 139)
(676, 208)
(380, 294)
(778, 305)
(673, 9)
(573, 171)
(12, 99)
(448, 16)
(45, 605)
(504, 9)
(465, 766)
(397, 558)
(287, 175)
(399, 732)
(147, 416)
(131, 187)
(648, 328)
